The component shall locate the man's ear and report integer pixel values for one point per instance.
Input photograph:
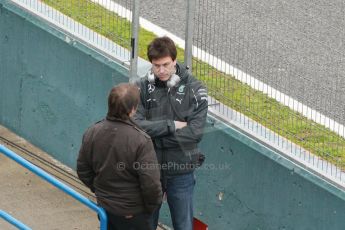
(133, 111)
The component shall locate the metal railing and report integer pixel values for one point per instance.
(52, 180)
(10, 219)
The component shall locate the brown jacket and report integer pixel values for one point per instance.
(117, 161)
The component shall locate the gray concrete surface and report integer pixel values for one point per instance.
(34, 201)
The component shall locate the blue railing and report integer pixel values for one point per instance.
(4, 215)
(52, 180)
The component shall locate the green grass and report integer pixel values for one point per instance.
(225, 88)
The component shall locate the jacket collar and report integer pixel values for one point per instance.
(128, 122)
(181, 70)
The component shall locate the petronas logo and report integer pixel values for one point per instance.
(181, 88)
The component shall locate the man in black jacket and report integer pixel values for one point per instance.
(118, 163)
(173, 112)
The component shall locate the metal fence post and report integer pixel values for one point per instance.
(189, 33)
(133, 69)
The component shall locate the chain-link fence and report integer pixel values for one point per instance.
(279, 64)
(103, 24)
(274, 67)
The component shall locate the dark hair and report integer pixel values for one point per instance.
(121, 100)
(161, 47)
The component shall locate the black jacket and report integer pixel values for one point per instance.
(117, 161)
(160, 106)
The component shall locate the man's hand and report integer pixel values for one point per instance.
(180, 124)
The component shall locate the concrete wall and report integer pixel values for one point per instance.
(51, 90)
(245, 185)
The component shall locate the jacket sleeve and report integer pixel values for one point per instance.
(193, 132)
(156, 128)
(149, 176)
(84, 167)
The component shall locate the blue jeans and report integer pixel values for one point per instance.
(179, 190)
(137, 222)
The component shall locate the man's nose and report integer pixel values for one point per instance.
(161, 69)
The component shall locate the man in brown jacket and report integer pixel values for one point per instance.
(118, 163)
